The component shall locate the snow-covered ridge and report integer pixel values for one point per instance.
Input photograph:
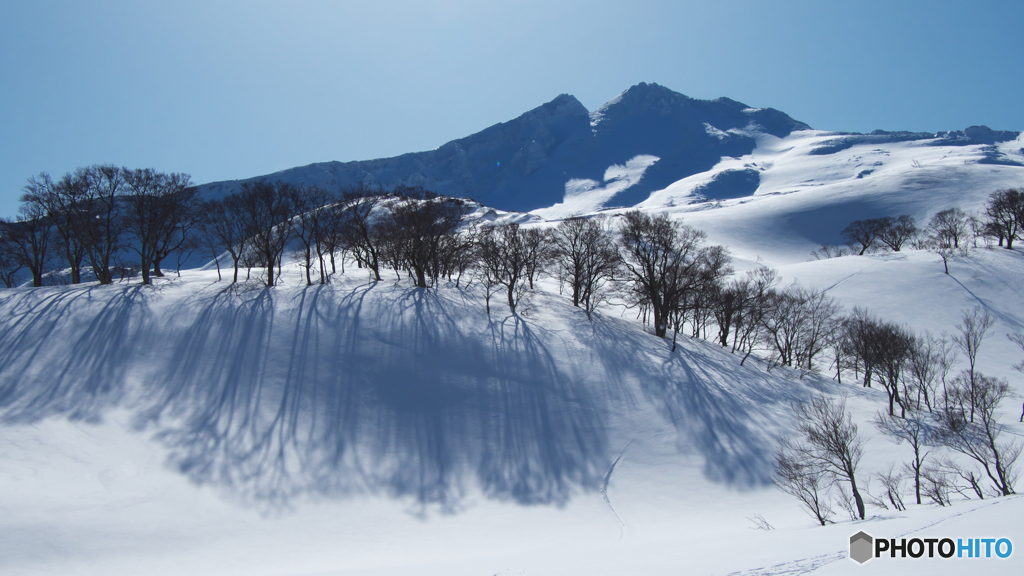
(525, 163)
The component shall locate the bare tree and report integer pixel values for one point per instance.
(728, 304)
(827, 251)
(890, 345)
(832, 441)
(804, 478)
(936, 484)
(503, 261)
(917, 432)
(980, 439)
(539, 247)
(749, 323)
(928, 362)
(161, 211)
(265, 209)
(313, 215)
(1018, 339)
(225, 229)
(27, 240)
(972, 331)
(895, 232)
(798, 325)
(419, 225)
(862, 234)
(586, 258)
(9, 266)
(950, 227)
(1005, 215)
(662, 259)
(456, 254)
(101, 227)
(360, 230)
(63, 201)
(892, 481)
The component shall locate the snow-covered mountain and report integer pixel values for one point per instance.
(640, 142)
(364, 427)
(529, 162)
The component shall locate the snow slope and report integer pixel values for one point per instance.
(376, 428)
(805, 199)
(362, 428)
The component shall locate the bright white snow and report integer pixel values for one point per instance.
(375, 428)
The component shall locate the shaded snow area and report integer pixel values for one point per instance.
(784, 200)
(584, 195)
(377, 428)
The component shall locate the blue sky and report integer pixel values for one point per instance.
(226, 90)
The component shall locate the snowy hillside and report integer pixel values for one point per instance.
(359, 427)
(362, 428)
(805, 198)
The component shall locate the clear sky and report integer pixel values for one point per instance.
(226, 90)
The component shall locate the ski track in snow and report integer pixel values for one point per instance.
(604, 492)
(855, 274)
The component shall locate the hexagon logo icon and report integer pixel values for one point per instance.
(861, 545)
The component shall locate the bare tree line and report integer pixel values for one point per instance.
(935, 410)
(950, 232)
(95, 217)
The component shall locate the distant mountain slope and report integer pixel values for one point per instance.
(528, 162)
(787, 197)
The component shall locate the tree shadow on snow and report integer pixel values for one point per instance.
(723, 410)
(336, 393)
(53, 361)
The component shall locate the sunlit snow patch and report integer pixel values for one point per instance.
(585, 195)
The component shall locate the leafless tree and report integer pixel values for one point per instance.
(26, 240)
(862, 235)
(928, 364)
(936, 484)
(971, 332)
(662, 259)
(456, 254)
(827, 251)
(729, 301)
(895, 232)
(917, 431)
(832, 441)
(419, 225)
(890, 345)
(892, 482)
(360, 229)
(161, 211)
(805, 479)
(1018, 339)
(1005, 215)
(980, 439)
(798, 325)
(502, 259)
(225, 229)
(63, 201)
(950, 227)
(749, 323)
(101, 227)
(314, 211)
(586, 258)
(956, 471)
(265, 210)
